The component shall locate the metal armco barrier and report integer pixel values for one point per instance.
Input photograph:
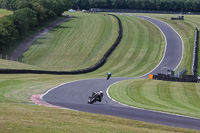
(99, 64)
(180, 73)
(195, 53)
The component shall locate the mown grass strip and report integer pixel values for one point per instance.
(76, 44)
(173, 97)
(140, 50)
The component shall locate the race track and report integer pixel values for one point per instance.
(74, 95)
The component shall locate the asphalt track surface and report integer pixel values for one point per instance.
(74, 95)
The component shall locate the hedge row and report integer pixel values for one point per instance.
(99, 64)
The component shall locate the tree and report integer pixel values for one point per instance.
(109, 4)
(8, 32)
(25, 20)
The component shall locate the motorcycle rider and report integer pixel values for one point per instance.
(99, 94)
(108, 75)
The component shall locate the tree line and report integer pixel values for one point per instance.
(27, 16)
(158, 5)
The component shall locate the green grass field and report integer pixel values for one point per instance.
(79, 43)
(4, 12)
(139, 51)
(133, 57)
(29, 118)
(173, 97)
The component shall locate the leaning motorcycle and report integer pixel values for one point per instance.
(93, 99)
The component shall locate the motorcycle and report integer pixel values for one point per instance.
(93, 98)
(96, 96)
(108, 75)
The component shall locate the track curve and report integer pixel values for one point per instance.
(74, 95)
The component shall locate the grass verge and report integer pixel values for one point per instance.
(30, 118)
(172, 97)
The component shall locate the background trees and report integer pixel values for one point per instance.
(8, 32)
(27, 15)
(161, 5)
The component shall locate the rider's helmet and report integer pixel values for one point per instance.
(101, 93)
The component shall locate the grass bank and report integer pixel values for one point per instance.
(173, 97)
(76, 44)
(30, 118)
(140, 50)
(82, 41)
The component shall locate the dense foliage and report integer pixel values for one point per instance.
(160, 5)
(27, 15)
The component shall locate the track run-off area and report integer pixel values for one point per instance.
(74, 95)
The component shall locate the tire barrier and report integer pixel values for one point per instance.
(99, 64)
(185, 78)
(195, 53)
(177, 18)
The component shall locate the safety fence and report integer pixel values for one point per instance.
(10, 58)
(99, 64)
(195, 53)
(141, 11)
(180, 73)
